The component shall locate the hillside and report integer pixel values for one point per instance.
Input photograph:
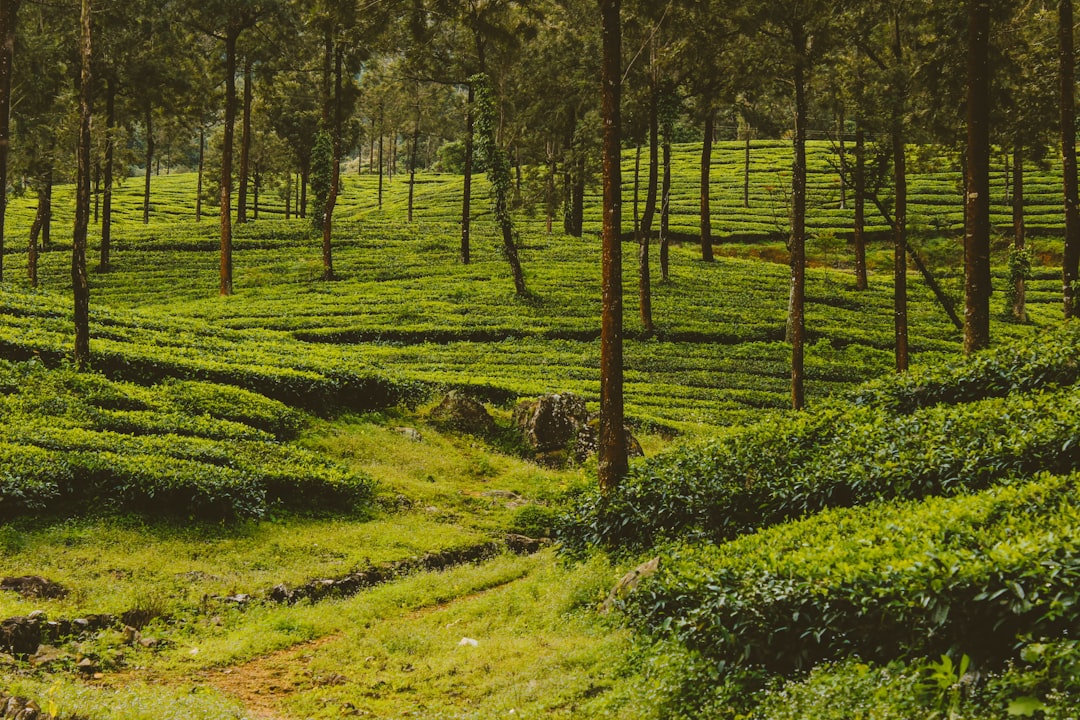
(252, 515)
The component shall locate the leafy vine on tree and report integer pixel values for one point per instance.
(322, 173)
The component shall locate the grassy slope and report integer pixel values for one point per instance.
(539, 648)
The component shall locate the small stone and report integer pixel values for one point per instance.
(87, 666)
(409, 433)
(468, 642)
(149, 642)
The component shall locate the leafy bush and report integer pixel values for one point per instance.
(836, 457)
(973, 573)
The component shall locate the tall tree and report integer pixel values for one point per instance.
(977, 173)
(613, 463)
(1067, 79)
(8, 12)
(79, 281)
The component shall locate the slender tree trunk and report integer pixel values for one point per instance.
(256, 182)
(613, 464)
(35, 232)
(900, 313)
(649, 212)
(8, 11)
(977, 230)
(550, 199)
(798, 227)
(841, 139)
(577, 214)
(1067, 76)
(47, 214)
(644, 272)
(466, 192)
(199, 183)
(746, 170)
(706, 187)
(97, 189)
(665, 208)
(381, 163)
(305, 174)
(225, 210)
(1019, 308)
(371, 148)
(860, 208)
(106, 202)
(149, 120)
(414, 153)
(245, 147)
(288, 195)
(335, 177)
(79, 280)
(637, 192)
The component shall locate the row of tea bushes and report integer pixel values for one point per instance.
(77, 443)
(974, 574)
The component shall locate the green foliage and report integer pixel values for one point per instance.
(322, 173)
(837, 456)
(974, 572)
(1019, 269)
(74, 443)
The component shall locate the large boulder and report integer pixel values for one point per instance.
(461, 413)
(551, 422)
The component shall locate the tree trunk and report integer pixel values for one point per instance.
(706, 187)
(413, 154)
(467, 188)
(225, 210)
(106, 201)
(79, 280)
(199, 183)
(1066, 70)
(841, 139)
(613, 463)
(305, 174)
(900, 323)
(977, 226)
(335, 177)
(1019, 308)
(381, 164)
(860, 208)
(798, 226)
(665, 207)
(550, 199)
(746, 170)
(644, 275)
(35, 232)
(245, 147)
(649, 212)
(256, 186)
(8, 11)
(577, 198)
(148, 120)
(47, 214)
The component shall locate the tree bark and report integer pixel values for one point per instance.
(653, 181)
(245, 147)
(1067, 77)
(613, 463)
(861, 282)
(199, 183)
(900, 313)
(225, 211)
(665, 208)
(149, 120)
(644, 278)
(104, 259)
(79, 280)
(796, 320)
(335, 177)
(577, 198)
(977, 202)
(414, 153)
(706, 187)
(8, 11)
(746, 170)
(467, 187)
(35, 232)
(1019, 308)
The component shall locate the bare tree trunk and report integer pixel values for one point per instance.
(79, 280)
(706, 187)
(35, 232)
(613, 463)
(900, 323)
(796, 320)
(47, 214)
(665, 208)
(746, 170)
(550, 200)
(860, 208)
(977, 226)
(225, 210)
(381, 163)
(149, 120)
(841, 139)
(106, 201)
(245, 147)
(654, 162)
(467, 187)
(1067, 76)
(335, 178)
(414, 153)
(199, 184)
(1019, 308)
(8, 12)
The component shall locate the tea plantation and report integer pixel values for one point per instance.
(245, 510)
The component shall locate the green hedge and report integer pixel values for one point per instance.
(971, 574)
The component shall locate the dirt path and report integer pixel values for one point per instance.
(263, 685)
